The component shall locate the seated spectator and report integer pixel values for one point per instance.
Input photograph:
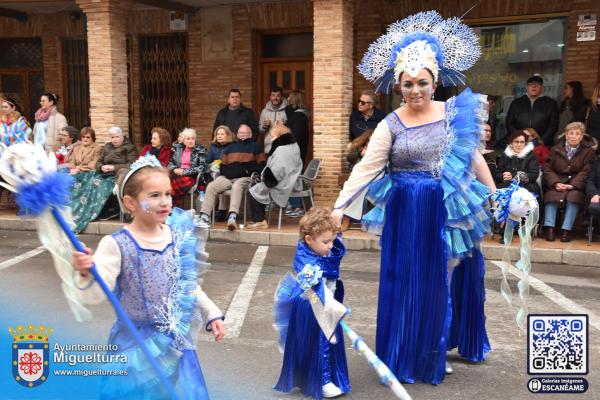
(518, 161)
(84, 157)
(357, 148)
(160, 146)
(221, 138)
(235, 114)
(273, 113)
(565, 175)
(366, 115)
(117, 154)
(187, 163)
(238, 162)
(540, 149)
(284, 165)
(94, 187)
(592, 189)
(68, 139)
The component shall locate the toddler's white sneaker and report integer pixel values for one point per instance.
(330, 390)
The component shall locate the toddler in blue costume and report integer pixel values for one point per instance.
(308, 310)
(152, 267)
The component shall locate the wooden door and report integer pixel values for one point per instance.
(25, 87)
(290, 75)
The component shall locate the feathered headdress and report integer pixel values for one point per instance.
(446, 47)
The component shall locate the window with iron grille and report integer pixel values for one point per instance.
(77, 89)
(163, 83)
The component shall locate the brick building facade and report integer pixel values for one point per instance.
(342, 31)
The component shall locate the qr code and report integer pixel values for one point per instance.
(557, 344)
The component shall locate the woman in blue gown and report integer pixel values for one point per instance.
(430, 205)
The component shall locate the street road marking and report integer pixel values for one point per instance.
(554, 296)
(236, 313)
(22, 257)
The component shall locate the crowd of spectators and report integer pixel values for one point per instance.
(552, 150)
(220, 173)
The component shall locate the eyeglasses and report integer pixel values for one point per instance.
(362, 103)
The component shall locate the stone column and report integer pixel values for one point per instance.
(333, 68)
(106, 30)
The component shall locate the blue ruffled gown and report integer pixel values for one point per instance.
(430, 210)
(309, 359)
(147, 278)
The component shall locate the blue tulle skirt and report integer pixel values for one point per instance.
(306, 351)
(141, 382)
(414, 309)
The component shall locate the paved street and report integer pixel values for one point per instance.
(245, 367)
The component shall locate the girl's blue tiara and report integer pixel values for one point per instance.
(144, 161)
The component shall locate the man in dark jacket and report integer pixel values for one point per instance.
(235, 114)
(533, 111)
(366, 116)
(239, 161)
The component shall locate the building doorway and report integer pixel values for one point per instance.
(285, 61)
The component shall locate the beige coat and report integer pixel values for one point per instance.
(56, 122)
(84, 158)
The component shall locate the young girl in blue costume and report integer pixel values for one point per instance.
(308, 310)
(431, 205)
(151, 266)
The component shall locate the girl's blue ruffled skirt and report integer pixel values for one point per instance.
(415, 309)
(141, 382)
(305, 347)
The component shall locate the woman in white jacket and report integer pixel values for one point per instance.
(279, 176)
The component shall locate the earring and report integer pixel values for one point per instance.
(402, 102)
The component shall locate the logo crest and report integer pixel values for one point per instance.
(30, 354)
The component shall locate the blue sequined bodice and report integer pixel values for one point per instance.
(419, 148)
(146, 279)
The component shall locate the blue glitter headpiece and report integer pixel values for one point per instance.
(446, 47)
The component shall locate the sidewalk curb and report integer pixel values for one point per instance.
(491, 252)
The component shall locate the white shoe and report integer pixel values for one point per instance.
(449, 369)
(330, 390)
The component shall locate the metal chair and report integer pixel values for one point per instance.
(305, 184)
(593, 214)
(193, 189)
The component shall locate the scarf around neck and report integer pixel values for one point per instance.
(42, 115)
(571, 150)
